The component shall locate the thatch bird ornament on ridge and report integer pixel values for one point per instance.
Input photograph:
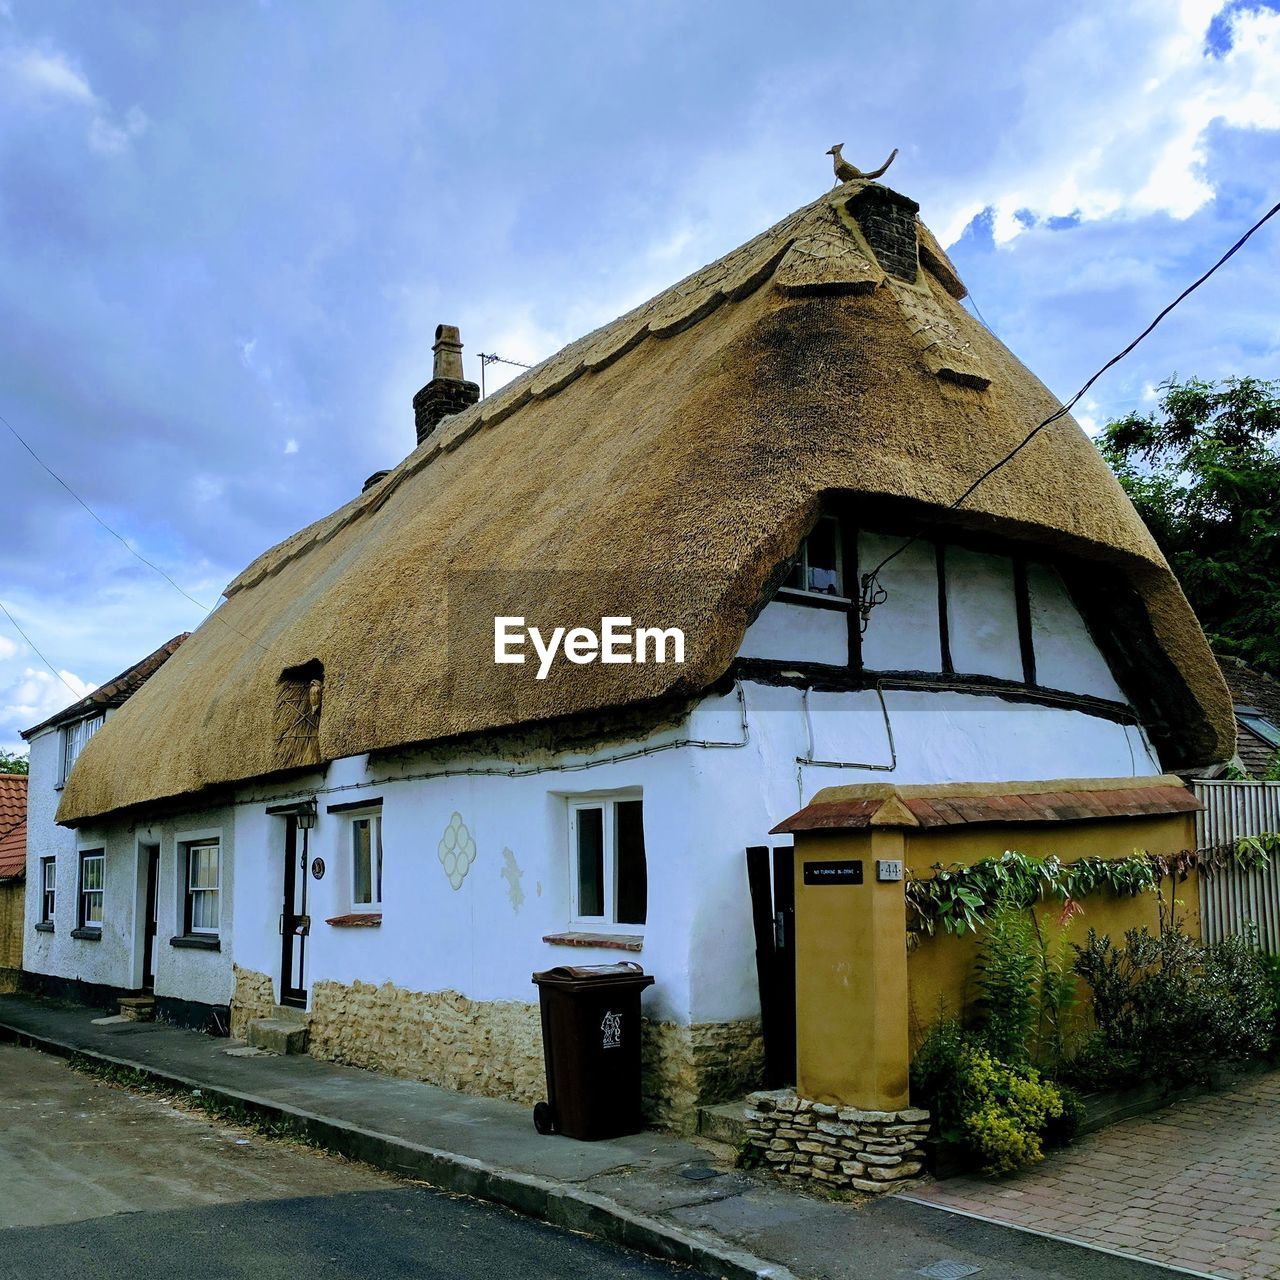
(846, 172)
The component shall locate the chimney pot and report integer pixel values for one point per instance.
(448, 392)
(448, 353)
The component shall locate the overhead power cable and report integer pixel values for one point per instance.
(872, 594)
(209, 610)
(32, 644)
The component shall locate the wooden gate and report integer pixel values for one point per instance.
(773, 913)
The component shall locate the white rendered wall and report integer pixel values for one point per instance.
(110, 959)
(798, 633)
(55, 952)
(1066, 655)
(982, 615)
(902, 633)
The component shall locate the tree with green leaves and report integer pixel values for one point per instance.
(1203, 470)
(12, 762)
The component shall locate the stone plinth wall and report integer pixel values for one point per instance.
(838, 1146)
(254, 998)
(685, 1067)
(488, 1047)
(494, 1047)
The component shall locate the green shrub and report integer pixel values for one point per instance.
(1062, 1130)
(997, 1113)
(1271, 969)
(1007, 976)
(1169, 1008)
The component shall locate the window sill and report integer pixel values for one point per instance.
(357, 920)
(87, 935)
(196, 942)
(613, 941)
(793, 595)
(44, 926)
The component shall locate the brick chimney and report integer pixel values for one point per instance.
(448, 392)
(888, 220)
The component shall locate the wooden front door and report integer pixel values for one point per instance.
(150, 921)
(295, 924)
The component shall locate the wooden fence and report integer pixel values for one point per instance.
(1232, 899)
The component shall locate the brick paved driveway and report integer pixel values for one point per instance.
(1196, 1185)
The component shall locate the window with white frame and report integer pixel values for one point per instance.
(818, 567)
(92, 883)
(203, 869)
(48, 883)
(366, 860)
(609, 879)
(74, 738)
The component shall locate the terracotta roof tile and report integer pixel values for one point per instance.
(948, 809)
(13, 825)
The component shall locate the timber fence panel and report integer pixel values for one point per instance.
(1231, 898)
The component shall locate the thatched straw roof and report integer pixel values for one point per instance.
(663, 467)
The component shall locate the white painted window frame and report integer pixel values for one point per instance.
(83, 858)
(372, 815)
(72, 739)
(183, 841)
(607, 923)
(48, 889)
(802, 559)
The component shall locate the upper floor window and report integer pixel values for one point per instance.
(203, 886)
(74, 738)
(92, 885)
(608, 874)
(818, 567)
(366, 860)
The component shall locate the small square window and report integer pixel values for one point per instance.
(818, 566)
(366, 860)
(92, 885)
(48, 886)
(609, 873)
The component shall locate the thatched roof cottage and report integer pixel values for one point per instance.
(726, 461)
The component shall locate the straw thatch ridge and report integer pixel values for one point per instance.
(663, 467)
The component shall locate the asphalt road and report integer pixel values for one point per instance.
(97, 1181)
(103, 1182)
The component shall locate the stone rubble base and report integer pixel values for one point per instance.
(841, 1147)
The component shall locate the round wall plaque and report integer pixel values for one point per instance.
(317, 868)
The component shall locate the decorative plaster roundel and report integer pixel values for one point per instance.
(457, 851)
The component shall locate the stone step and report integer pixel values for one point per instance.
(289, 1013)
(726, 1122)
(138, 1008)
(278, 1035)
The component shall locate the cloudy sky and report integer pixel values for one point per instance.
(227, 231)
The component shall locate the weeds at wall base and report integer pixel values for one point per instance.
(225, 1111)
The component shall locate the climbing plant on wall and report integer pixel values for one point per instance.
(958, 899)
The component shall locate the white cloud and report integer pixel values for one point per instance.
(8, 649)
(35, 694)
(49, 74)
(44, 75)
(1114, 119)
(291, 446)
(109, 139)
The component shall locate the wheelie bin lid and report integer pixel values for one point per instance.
(593, 975)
